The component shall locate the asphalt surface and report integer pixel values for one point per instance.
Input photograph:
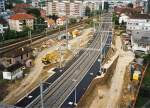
(83, 85)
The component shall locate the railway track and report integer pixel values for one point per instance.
(57, 93)
(23, 43)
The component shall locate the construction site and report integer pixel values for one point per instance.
(117, 87)
(49, 54)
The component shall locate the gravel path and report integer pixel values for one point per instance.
(118, 78)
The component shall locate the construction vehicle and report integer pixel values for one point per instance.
(51, 58)
(75, 33)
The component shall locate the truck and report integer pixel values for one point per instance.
(75, 33)
(51, 58)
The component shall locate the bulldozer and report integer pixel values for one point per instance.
(51, 58)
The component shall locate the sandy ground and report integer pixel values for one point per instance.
(33, 79)
(108, 97)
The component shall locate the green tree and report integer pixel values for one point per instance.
(115, 19)
(39, 24)
(87, 11)
(130, 5)
(106, 6)
(73, 20)
(34, 11)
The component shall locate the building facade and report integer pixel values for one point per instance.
(140, 41)
(18, 21)
(139, 22)
(2, 5)
(71, 9)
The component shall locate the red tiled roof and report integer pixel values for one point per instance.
(140, 16)
(127, 10)
(22, 5)
(21, 16)
(19, 10)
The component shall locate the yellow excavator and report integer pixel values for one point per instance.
(51, 58)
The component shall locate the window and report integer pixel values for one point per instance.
(27, 55)
(21, 57)
(9, 61)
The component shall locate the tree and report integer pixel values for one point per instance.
(39, 24)
(55, 17)
(73, 20)
(115, 19)
(34, 11)
(87, 11)
(130, 5)
(106, 6)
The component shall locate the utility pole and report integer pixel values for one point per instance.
(41, 94)
(67, 31)
(30, 36)
(46, 31)
(75, 97)
(61, 57)
(101, 47)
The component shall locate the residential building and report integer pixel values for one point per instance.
(3, 26)
(138, 22)
(5, 15)
(20, 20)
(35, 3)
(123, 18)
(20, 55)
(23, 5)
(2, 5)
(66, 8)
(140, 41)
(13, 72)
(51, 23)
(145, 6)
(76, 9)
(61, 21)
(11, 63)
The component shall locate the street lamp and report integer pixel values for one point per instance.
(41, 92)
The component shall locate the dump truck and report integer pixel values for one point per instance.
(75, 33)
(51, 58)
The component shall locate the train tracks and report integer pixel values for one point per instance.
(24, 43)
(58, 91)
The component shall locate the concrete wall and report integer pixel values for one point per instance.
(98, 81)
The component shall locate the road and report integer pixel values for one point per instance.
(60, 89)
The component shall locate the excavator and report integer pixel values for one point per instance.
(51, 58)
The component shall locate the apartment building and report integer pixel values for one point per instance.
(138, 22)
(19, 20)
(2, 5)
(65, 8)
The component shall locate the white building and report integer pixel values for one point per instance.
(3, 26)
(2, 5)
(123, 18)
(18, 21)
(138, 22)
(140, 41)
(71, 9)
(13, 72)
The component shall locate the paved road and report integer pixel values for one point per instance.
(60, 89)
